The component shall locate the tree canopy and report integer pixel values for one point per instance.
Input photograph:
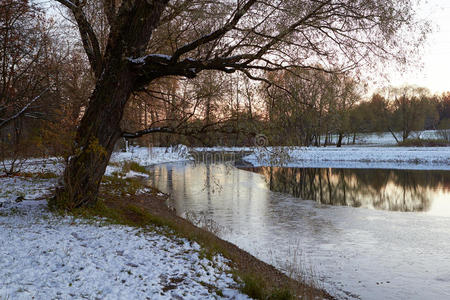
(132, 44)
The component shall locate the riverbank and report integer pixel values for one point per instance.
(427, 158)
(369, 157)
(260, 280)
(49, 256)
(132, 245)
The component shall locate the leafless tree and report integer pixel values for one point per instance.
(149, 40)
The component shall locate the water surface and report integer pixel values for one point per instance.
(366, 234)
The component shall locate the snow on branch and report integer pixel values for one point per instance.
(142, 60)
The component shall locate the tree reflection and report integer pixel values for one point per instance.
(396, 190)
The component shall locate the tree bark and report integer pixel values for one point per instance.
(393, 134)
(98, 133)
(100, 126)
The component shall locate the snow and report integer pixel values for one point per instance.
(141, 60)
(146, 156)
(38, 165)
(386, 138)
(13, 188)
(45, 256)
(353, 157)
(49, 257)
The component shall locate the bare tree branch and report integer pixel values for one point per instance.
(216, 34)
(23, 110)
(88, 37)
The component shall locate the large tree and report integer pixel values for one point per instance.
(152, 39)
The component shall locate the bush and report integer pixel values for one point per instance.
(424, 143)
(444, 134)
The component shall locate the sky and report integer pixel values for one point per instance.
(435, 71)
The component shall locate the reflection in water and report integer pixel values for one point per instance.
(232, 195)
(396, 190)
(351, 250)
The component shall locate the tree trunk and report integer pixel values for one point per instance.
(98, 133)
(393, 134)
(100, 126)
(339, 143)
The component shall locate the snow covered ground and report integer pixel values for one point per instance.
(44, 256)
(48, 257)
(152, 155)
(386, 138)
(354, 157)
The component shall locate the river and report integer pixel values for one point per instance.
(358, 233)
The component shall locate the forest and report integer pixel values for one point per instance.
(243, 84)
(46, 82)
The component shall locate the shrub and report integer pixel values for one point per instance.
(424, 143)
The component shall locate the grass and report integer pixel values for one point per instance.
(128, 215)
(424, 143)
(255, 287)
(120, 186)
(134, 166)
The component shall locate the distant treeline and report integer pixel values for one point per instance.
(46, 81)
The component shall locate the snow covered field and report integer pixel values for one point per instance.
(355, 157)
(386, 138)
(43, 256)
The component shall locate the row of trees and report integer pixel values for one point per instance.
(312, 108)
(402, 111)
(201, 71)
(44, 83)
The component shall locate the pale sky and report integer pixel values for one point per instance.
(435, 74)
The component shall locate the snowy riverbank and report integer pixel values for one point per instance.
(354, 157)
(152, 155)
(48, 257)
(420, 158)
(44, 256)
